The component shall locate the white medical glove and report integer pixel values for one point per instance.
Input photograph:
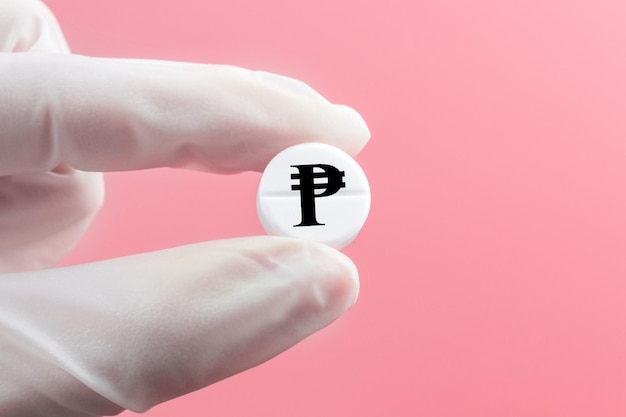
(129, 333)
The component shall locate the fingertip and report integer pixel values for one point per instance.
(346, 283)
(359, 134)
(328, 280)
(335, 124)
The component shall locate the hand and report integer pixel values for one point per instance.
(129, 333)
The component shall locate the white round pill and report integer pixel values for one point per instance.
(314, 191)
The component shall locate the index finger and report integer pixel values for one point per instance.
(100, 114)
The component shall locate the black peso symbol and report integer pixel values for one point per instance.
(307, 186)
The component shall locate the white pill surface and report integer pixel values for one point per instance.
(314, 191)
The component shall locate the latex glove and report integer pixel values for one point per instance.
(130, 333)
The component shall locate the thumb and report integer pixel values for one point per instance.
(132, 332)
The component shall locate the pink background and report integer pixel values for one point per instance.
(493, 264)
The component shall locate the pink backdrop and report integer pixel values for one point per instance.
(493, 263)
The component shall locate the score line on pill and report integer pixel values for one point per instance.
(316, 192)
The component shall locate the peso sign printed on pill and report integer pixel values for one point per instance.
(314, 191)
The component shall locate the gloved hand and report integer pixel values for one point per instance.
(129, 333)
